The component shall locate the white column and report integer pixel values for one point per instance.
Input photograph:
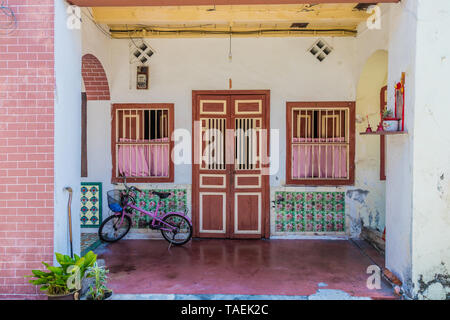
(67, 129)
(431, 162)
(418, 193)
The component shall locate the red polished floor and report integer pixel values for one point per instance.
(250, 267)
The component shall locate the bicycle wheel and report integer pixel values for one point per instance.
(181, 234)
(109, 231)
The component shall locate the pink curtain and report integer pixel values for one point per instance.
(316, 161)
(146, 160)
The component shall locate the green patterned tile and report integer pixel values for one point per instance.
(91, 204)
(310, 212)
(177, 201)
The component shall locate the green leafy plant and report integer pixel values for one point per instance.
(387, 113)
(98, 290)
(63, 279)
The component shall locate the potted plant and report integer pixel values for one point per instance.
(389, 122)
(63, 282)
(98, 289)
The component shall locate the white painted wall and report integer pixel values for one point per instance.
(282, 65)
(95, 42)
(99, 150)
(417, 188)
(67, 129)
(371, 204)
(431, 153)
(399, 164)
(279, 64)
(418, 198)
(98, 114)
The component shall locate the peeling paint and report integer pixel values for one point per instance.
(358, 195)
(377, 218)
(440, 188)
(436, 289)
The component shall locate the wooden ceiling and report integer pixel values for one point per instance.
(128, 3)
(324, 19)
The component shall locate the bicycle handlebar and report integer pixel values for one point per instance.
(127, 187)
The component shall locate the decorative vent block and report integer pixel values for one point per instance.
(140, 52)
(320, 50)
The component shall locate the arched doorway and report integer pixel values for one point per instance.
(370, 151)
(95, 90)
(94, 78)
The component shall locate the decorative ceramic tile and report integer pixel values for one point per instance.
(175, 202)
(91, 204)
(310, 212)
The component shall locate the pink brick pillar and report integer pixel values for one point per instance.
(26, 145)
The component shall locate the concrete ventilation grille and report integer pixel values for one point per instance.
(140, 52)
(320, 50)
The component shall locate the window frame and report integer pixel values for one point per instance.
(145, 106)
(318, 105)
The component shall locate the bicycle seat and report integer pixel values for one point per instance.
(162, 195)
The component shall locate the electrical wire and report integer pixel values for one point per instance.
(12, 24)
(230, 54)
(129, 36)
(144, 26)
(134, 43)
(237, 33)
(91, 18)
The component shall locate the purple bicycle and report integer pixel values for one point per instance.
(175, 227)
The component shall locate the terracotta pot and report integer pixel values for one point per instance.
(71, 296)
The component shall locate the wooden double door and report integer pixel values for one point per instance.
(230, 164)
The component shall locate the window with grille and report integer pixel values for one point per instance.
(320, 143)
(141, 144)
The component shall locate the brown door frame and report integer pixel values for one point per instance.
(195, 167)
(84, 151)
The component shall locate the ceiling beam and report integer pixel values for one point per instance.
(132, 3)
(226, 15)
